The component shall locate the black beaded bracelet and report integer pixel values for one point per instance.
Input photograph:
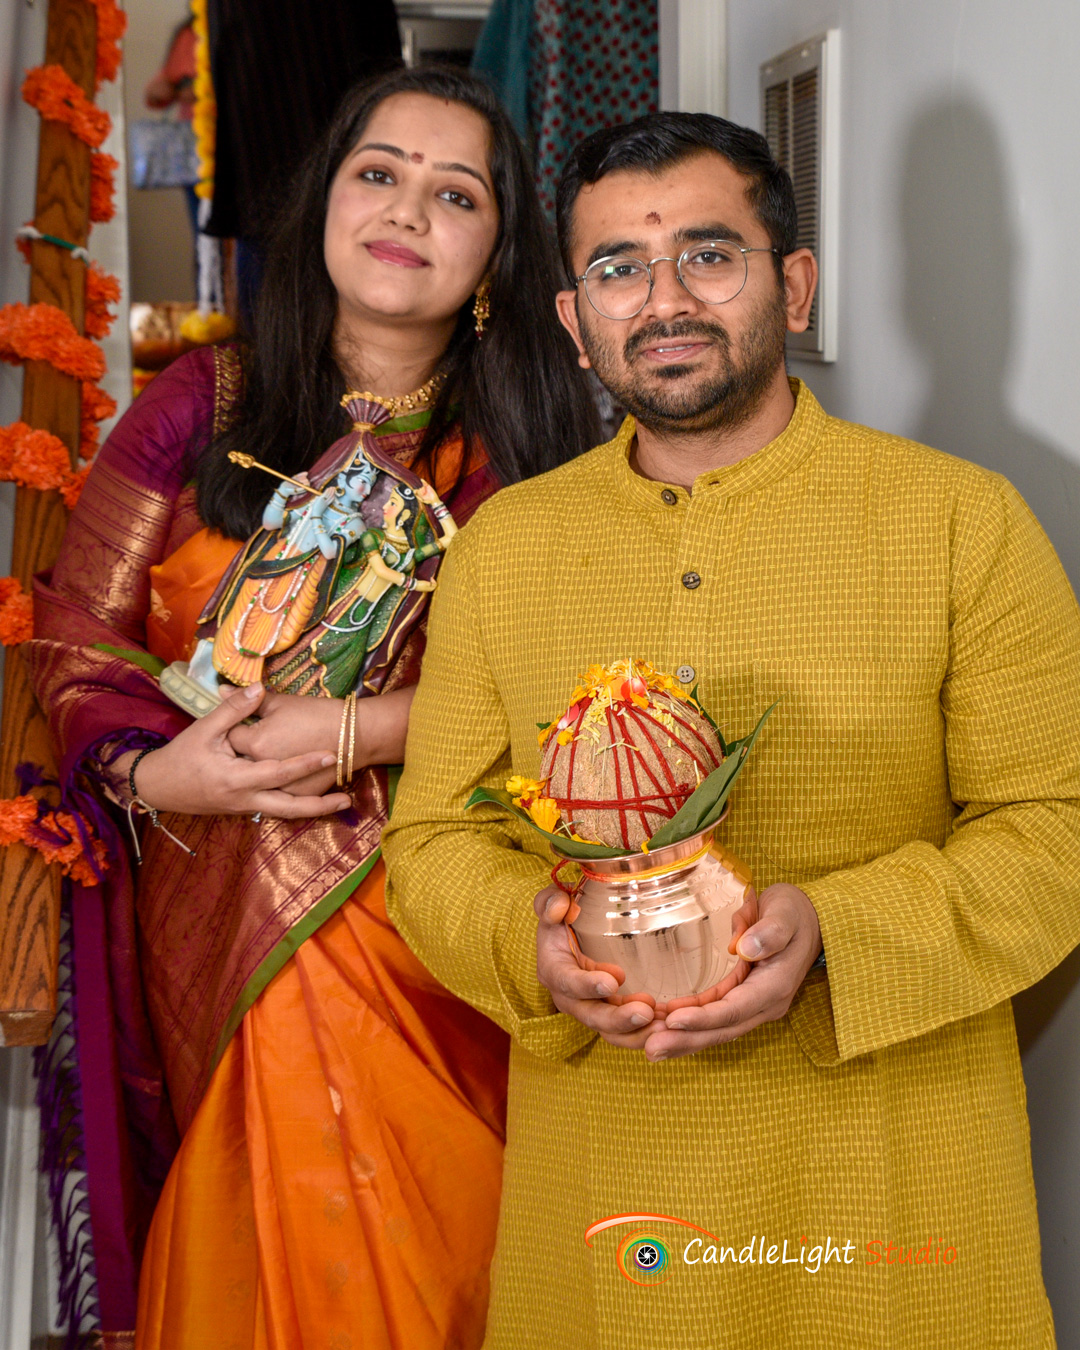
(131, 771)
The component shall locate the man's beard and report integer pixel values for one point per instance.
(680, 403)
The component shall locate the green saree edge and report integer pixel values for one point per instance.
(153, 665)
(269, 966)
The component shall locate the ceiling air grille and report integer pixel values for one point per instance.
(800, 110)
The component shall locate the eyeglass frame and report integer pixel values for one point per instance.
(664, 257)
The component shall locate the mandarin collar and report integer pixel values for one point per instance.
(768, 465)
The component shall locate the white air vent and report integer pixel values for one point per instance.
(800, 113)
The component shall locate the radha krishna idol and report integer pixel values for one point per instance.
(319, 599)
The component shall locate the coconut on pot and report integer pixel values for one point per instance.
(627, 753)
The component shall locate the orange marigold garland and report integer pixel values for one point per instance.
(33, 458)
(38, 459)
(56, 96)
(102, 186)
(111, 27)
(56, 835)
(71, 490)
(16, 613)
(45, 333)
(96, 406)
(16, 815)
(89, 434)
(102, 290)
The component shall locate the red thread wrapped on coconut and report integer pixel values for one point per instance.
(627, 753)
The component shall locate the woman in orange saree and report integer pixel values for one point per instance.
(340, 1114)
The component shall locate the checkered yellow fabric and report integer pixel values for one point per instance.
(920, 780)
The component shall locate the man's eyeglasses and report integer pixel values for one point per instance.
(714, 272)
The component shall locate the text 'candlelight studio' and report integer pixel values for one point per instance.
(812, 1258)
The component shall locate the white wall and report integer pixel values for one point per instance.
(959, 295)
(961, 201)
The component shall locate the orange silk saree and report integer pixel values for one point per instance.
(339, 1185)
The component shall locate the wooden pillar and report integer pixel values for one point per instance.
(30, 887)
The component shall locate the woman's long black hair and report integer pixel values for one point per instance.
(518, 389)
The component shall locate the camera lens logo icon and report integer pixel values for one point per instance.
(643, 1258)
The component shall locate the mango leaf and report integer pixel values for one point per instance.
(570, 848)
(704, 806)
(708, 718)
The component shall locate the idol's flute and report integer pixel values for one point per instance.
(250, 462)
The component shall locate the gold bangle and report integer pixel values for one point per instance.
(341, 746)
(352, 734)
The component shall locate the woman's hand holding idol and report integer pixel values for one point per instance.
(290, 723)
(200, 773)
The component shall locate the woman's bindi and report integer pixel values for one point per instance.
(653, 218)
(417, 157)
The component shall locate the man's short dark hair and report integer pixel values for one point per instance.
(657, 141)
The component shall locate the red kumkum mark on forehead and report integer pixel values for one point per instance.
(653, 218)
(417, 157)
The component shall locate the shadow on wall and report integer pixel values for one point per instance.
(961, 252)
(961, 259)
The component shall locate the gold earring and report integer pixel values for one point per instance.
(482, 306)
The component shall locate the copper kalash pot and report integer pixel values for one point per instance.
(665, 917)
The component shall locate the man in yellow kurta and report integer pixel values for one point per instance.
(912, 811)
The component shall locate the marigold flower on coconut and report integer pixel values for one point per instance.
(545, 813)
(524, 790)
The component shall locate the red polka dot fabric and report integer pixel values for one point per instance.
(592, 63)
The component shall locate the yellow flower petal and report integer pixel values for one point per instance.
(545, 813)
